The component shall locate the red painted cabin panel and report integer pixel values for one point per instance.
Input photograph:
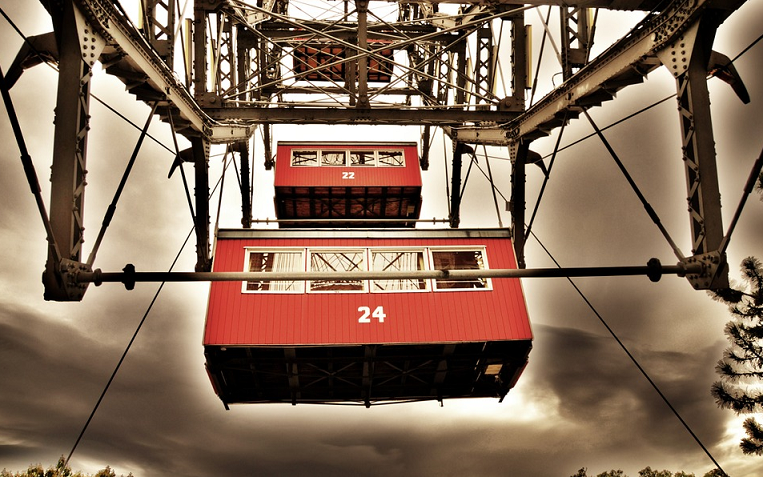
(313, 55)
(321, 184)
(430, 341)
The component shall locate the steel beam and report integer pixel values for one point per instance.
(442, 371)
(268, 145)
(519, 64)
(362, 63)
(688, 60)
(127, 48)
(576, 38)
(626, 62)
(484, 70)
(698, 144)
(518, 152)
(292, 373)
(425, 146)
(646, 5)
(459, 149)
(200, 57)
(67, 195)
(226, 69)
(311, 115)
(159, 27)
(242, 148)
(369, 366)
(200, 150)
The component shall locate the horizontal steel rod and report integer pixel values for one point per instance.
(334, 115)
(129, 277)
(342, 220)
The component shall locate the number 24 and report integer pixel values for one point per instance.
(366, 314)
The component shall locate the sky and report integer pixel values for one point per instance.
(580, 403)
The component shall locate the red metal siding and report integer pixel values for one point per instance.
(312, 55)
(328, 176)
(236, 318)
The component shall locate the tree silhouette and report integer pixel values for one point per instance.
(61, 469)
(647, 472)
(741, 368)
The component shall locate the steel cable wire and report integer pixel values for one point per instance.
(624, 348)
(137, 330)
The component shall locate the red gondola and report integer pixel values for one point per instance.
(364, 341)
(350, 184)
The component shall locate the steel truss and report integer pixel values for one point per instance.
(364, 374)
(236, 65)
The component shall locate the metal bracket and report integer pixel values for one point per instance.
(677, 55)
(90, 42)
(69, 287)
(714, 274)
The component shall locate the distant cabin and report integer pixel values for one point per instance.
(316, 60)
(336, 184)
(364, 341)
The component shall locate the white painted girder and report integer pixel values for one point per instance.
(121, 35)
(645, 5)
(635, 54)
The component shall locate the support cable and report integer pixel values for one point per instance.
(627, 352)
(113, 206)
(495, 189)
(649, 210)
(131, 123)
(540, 53)
(492, 186)
(499, 65)
(546, 178)
(179, 162)
(473, 158)
(744, 51)
(748, 188)
(609, 126)
(238, 174)
(226, 163)
(134, 336)
(447, 180)
(592, 35)
(548, 32)
(42, 58)
(29, 170)
(127, 349)
(634, 360)
(622, 120)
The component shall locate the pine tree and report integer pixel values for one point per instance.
(61, 469)
(741, 368)
(648, 472)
